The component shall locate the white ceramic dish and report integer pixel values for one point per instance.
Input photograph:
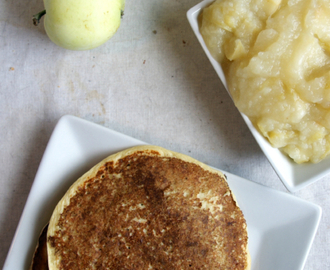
(281, 226)
(294, 176)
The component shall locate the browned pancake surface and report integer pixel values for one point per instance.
(40, 259)
(151, 212)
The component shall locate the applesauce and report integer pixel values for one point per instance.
(276, 58)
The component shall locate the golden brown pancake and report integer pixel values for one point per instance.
(148, 208)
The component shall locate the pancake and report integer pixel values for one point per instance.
(40, 257)
(148, 208)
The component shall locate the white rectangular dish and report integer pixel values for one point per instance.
(294, 176)
(281, 227)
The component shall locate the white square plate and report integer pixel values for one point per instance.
(281, 227)
(294, 176)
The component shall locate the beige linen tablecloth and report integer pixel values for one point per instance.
(151, 81)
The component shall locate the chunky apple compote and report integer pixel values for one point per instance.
(276, 59)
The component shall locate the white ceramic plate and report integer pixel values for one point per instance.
(294, 176)
(281, 227)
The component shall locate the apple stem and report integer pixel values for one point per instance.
(36, 18)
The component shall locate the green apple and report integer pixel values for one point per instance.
(81, 24)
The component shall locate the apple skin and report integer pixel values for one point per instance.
(82, 24)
